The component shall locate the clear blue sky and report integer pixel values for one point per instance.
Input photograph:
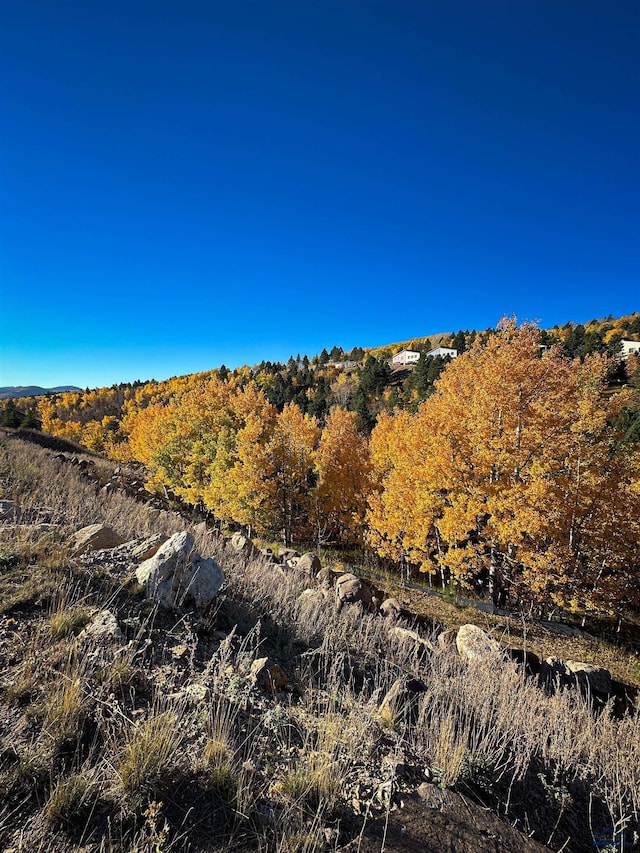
(190, 183)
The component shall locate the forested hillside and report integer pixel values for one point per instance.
(513, 467)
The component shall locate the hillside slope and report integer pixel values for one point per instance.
(127, 726)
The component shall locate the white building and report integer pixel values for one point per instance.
(443, 351)
(627, 347)
(406, 356)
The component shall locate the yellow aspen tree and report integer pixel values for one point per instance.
(291, 451)
(244, 488)
(404, 506)
(344, 473)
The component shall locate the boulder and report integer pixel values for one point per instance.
(200, 584)
(314, 596)
(390, 607)
(352, 590)
(526, 659)
(588, 676)
(267, 675)
(146, 548)
(172, 555)
(474, 644)
(401, 699)
(94, 538)
(405, 635)
(176, 577)
(139, 550)
(325, 576)
(310, 564)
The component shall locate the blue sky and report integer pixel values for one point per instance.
(185, 184)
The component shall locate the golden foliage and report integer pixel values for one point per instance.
(511, 469)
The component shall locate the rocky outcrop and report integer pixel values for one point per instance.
(176, 577)
(95, 537)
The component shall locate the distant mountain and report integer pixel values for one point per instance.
(33, 391)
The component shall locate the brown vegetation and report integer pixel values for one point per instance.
(163, 740)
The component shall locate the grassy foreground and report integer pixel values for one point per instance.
(162, 738)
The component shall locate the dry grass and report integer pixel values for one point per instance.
(71, 800)
(146, 756)
(618, 657)
(63, 711)
(257, 771)
(68, 621)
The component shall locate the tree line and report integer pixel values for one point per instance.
(514, 467)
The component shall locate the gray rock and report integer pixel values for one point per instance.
(172, 555)
(352, 590)
(200, 584)
(103, 628)
(474, 644)
(94, 538)
(401, 700)
(309, 563)
(176, 577)
(144, 549)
